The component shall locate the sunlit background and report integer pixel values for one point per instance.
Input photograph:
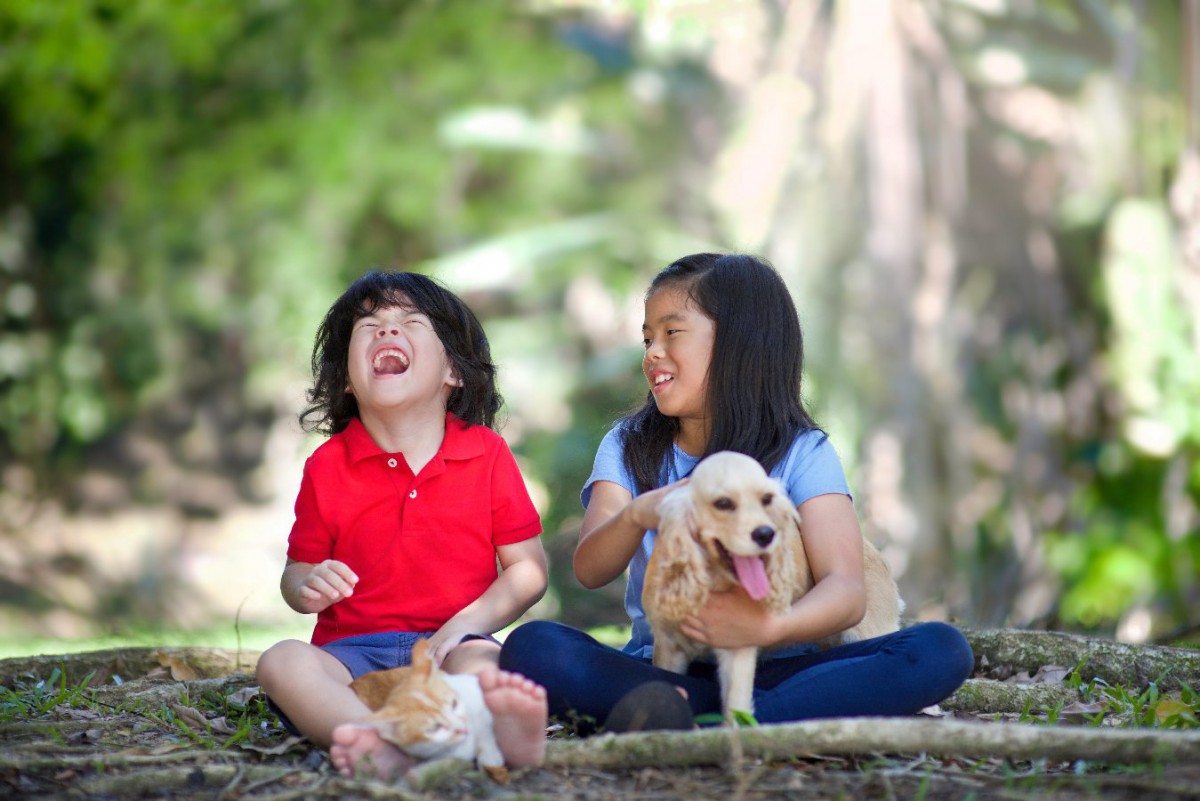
(988, 212)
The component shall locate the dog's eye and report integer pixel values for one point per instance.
(725, 504)
(768, 498)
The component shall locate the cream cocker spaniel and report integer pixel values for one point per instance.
(734, 525)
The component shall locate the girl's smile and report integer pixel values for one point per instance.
(659, 380)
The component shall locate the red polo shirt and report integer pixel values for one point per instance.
(423, 547)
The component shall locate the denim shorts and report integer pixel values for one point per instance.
(365, 653)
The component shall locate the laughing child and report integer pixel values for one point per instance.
(402, 517)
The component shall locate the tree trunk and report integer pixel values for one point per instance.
(182, 664)
(1130, 666)
(867, 735)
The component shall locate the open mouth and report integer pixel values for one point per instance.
(751, 572)
(389, 361)
(661, 380)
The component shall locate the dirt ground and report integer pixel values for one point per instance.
(167, 768)
(175, 747)
(191, 723)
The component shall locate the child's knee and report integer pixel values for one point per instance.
(531, 645)
(472, 656)
(274, 663)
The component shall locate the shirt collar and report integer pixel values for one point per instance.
(459, 443)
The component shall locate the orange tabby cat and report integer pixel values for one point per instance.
(430, 714)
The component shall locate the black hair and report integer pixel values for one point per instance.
(331, 407)
(754, 401)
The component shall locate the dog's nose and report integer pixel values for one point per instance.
(763, 536)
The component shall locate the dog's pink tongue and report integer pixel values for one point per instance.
(752, 576)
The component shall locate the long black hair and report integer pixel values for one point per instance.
(331, 407)
(754, 401)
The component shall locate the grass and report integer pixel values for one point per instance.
(1116, 706)
(222, 721)
(213, 720)
(33, 700)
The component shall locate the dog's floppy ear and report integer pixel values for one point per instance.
(682, 565)
(787, 569)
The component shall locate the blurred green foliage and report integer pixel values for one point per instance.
(187, 186)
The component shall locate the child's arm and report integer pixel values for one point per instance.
(310, 588)
(612, 530)
(836, 602)
(521, 583)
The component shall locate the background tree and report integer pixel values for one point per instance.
(987, 214)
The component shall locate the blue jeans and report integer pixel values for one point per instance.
(896, 674)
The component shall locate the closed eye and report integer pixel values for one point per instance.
(725, 504)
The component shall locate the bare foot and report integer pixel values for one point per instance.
(518, 708)
(359, 751)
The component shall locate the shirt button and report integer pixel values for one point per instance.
(392, 463)
(412, 494)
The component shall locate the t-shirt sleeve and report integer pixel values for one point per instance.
(310, 540)
(814, 468)
(609, 465)
(514, 518)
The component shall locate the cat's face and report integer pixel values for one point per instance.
(425, 720)
(421, 714)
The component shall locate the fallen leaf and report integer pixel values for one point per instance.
(245, 695)
(192, 718)
(180, 669)
(1169, 707)
(274, 750)
(1079, 712)
(1051, 674)
(221, 726)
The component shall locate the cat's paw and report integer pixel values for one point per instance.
(499, 773)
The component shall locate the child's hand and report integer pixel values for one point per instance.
(326, 584)
(445, 640)
(730, 619)
(643, 509)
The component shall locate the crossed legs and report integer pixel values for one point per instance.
(313, 689)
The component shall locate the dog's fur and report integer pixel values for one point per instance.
(732, 512)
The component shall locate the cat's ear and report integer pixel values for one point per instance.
(422, 662)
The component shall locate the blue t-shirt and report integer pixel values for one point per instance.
(810, 468)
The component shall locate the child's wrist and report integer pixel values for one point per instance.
(632, 520)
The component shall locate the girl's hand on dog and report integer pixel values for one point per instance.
(731, 619)
(643, 510)
(326, 584)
